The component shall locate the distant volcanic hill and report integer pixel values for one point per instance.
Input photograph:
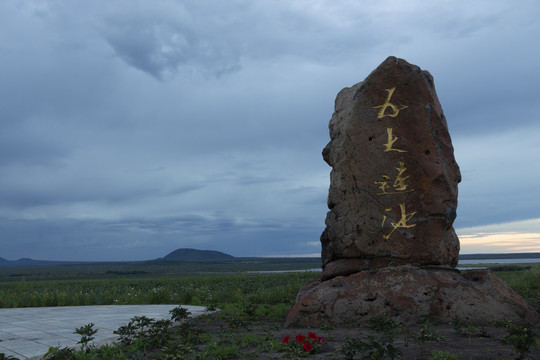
(32, 262)
(197, 255)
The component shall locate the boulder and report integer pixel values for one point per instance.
(409, 293)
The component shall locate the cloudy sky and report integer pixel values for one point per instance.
(129, 129)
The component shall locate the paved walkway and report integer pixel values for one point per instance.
(27, 333)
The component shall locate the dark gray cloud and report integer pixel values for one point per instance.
(160, 45)
(210, 37)
(143, 239)
(129, 129)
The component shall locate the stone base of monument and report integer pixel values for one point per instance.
(408, 294)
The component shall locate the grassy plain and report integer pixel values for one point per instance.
(190, 283)
(158, 282)
(154, 268)
(254, 306)
(193, 283)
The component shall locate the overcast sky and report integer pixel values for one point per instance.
(129, 129)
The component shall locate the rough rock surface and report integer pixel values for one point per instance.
(408, 293)
(393, 185)
(389, 246)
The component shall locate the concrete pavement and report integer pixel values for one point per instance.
(27, 333)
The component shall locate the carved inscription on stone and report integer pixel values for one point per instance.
(393, 185)
(397, 185)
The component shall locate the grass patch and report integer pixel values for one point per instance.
(250, 323)
(525, 281)
(217, 290)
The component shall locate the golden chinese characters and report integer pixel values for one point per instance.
(397, 185)
(387, 104)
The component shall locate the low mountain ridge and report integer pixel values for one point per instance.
(32, 262)
(196, 255)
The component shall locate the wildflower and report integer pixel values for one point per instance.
(320, 339)
(304, 345)
(286, 339)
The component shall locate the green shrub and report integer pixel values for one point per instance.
(7, 357)
(372, 348)
(521, 338)
(442, 355)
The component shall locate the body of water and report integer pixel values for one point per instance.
(498, 261)
(459, 267)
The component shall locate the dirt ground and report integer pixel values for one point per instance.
(478, 346)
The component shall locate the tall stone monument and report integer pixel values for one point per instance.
(389, 246)
(393, 186)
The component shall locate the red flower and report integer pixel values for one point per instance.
(307, 346)
(312, 336)
(300, 338)
(321, 339)
(286, 339)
